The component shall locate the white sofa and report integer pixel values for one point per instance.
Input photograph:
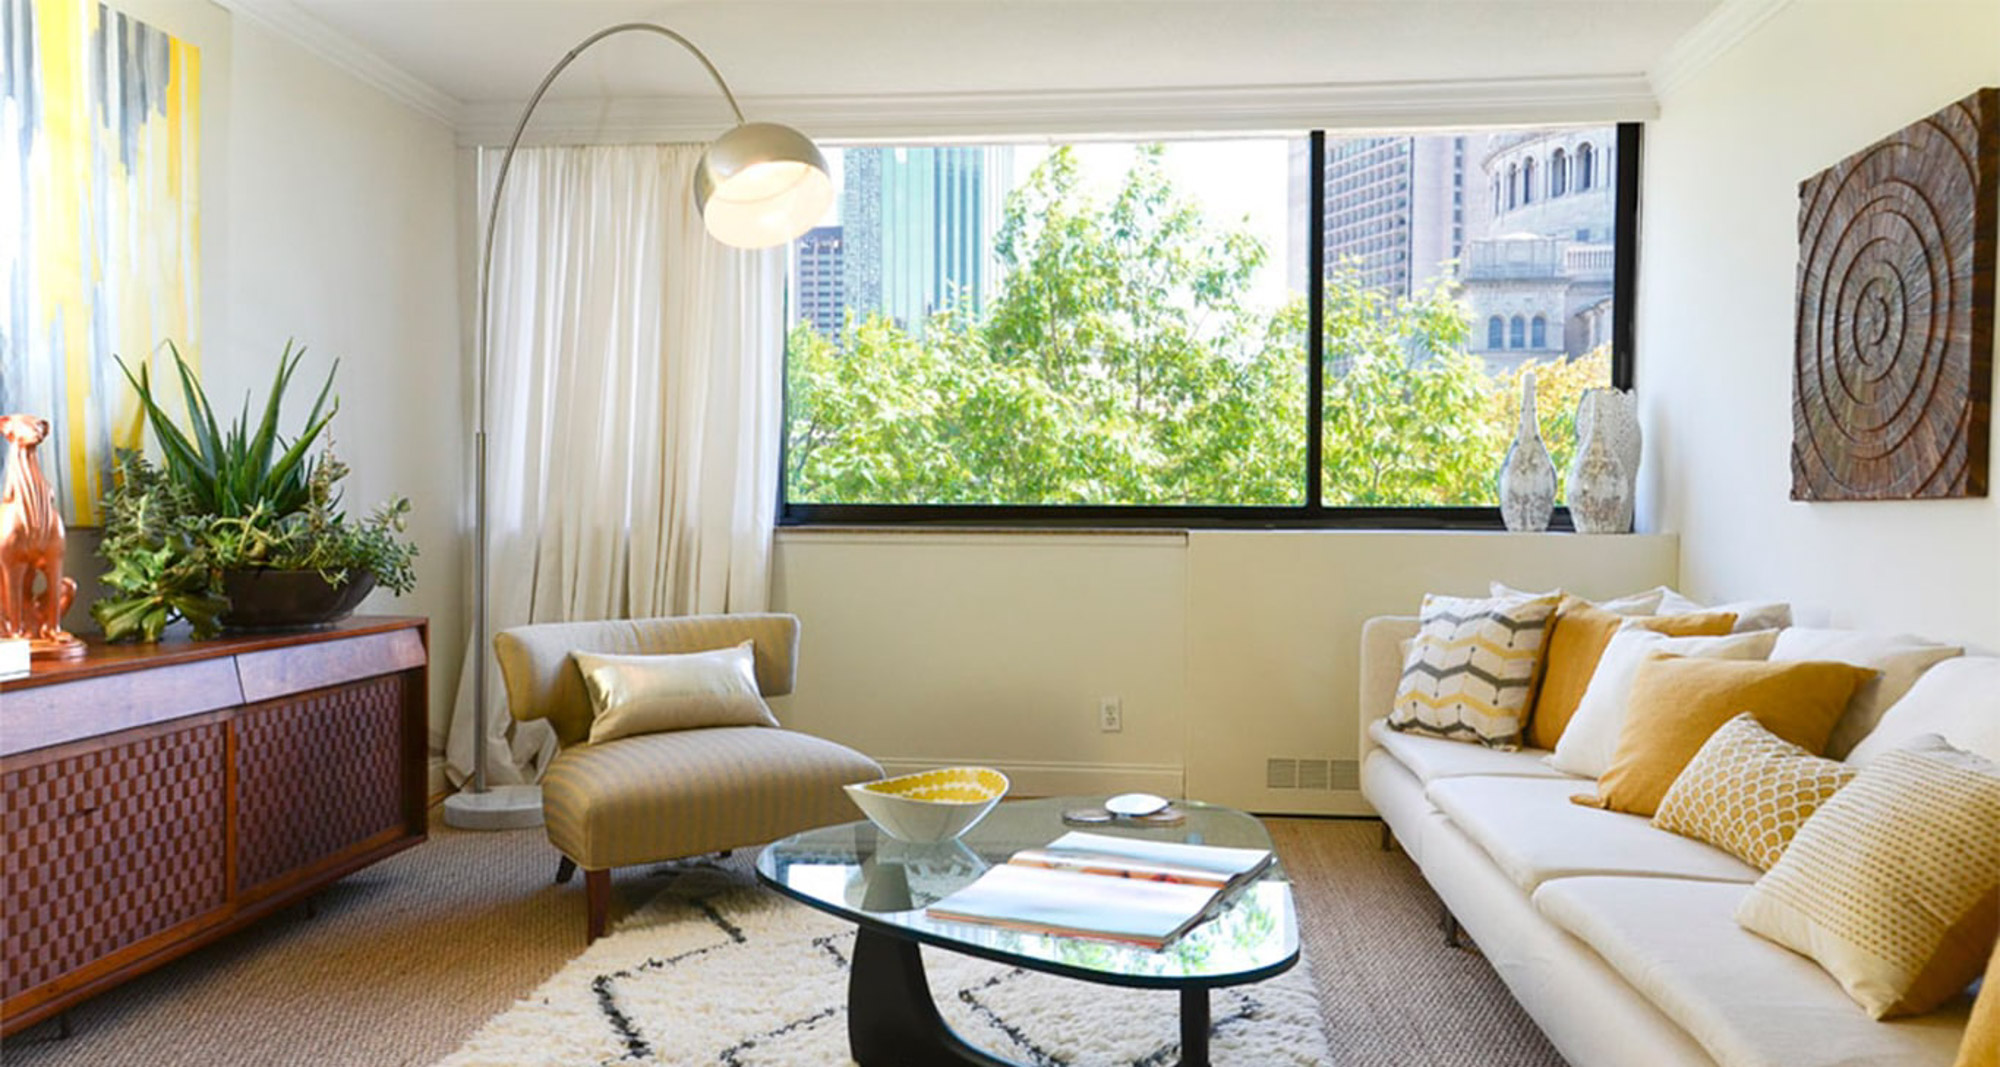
(1616, 937)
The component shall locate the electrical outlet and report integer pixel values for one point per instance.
(1111, 715)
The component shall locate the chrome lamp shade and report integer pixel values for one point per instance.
(761, 184)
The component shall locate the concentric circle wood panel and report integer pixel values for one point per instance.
(1893, 373)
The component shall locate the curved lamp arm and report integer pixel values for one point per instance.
(799, 190)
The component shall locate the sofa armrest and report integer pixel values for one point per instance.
(543, 682)
(1382, 641)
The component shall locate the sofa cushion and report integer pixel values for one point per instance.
(1576, 642)
(1430, 758)
(1900, 659)
(1533, 833)
(1748, 1002)
(1959, 700)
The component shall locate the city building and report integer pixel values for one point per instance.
(919, 226)
(819, 297)
(1537, 277)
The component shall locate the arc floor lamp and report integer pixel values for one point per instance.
(758, 185)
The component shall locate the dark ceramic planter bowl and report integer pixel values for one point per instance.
(263, 599)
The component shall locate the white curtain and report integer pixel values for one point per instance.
(632, 438)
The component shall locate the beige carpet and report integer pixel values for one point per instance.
(403, 961)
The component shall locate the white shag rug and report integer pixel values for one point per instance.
(715, 972)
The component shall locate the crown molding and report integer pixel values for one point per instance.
(1227, 109)
(291, 22)
(1723, 29)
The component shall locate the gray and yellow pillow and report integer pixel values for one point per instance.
(1470, 672)
(633, 695)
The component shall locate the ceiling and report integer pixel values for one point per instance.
(477, 52)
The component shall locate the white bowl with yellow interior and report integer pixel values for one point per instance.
(930, 806)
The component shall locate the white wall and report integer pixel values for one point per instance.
(1225, 648)
(1717, 287)
(337, 208)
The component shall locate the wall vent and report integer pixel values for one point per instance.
(1320, 775)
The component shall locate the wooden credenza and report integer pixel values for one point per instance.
(155, 797)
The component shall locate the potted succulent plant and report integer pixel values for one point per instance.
(240, 528)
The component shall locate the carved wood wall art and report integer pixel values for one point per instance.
(1892, 381)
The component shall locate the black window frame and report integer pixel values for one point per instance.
(1313, 513)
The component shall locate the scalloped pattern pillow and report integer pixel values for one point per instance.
(1748, 791)
(1470, 673)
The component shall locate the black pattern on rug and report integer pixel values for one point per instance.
(637, 1047)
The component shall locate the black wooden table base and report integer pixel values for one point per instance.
(893, 1022)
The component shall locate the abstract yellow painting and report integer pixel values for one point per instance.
(100, 127)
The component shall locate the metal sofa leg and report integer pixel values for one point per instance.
(565, 870)
(1388, 838)
(1452, 931)
(597, 895)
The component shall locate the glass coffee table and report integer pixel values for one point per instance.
(883, 885)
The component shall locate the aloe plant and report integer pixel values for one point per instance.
(235, 499)
(243, 470)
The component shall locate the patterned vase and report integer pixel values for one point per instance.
(1527, 476)
(1600, 495)
(1614, 413)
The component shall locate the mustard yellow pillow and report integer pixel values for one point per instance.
(1894, 885)
(1577, 639)
(1981, 1046)
(1748, 791)
(1678, 702)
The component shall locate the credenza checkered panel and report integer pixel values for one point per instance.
(107, 848)
(316, 773)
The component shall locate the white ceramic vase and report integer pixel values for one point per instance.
(1527, 475)
(1614, 413)
(1600, 489)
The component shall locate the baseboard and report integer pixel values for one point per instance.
(437, 784)
(1045, 779)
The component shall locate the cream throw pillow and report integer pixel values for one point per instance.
(1470, 673)
(1959, 700)
(1894, 885)
(633, 695)
(1900, 659)
(1751, 615)
(1590, 739)
(1748, 791)
(1631, 604)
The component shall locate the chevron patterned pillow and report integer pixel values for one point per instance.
(1470, 674)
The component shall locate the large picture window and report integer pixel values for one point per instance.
(1313, 331)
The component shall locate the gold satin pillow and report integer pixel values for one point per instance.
(1577, 641)
(632, 695)
(1677, 703)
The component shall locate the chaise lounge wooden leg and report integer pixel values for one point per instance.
(1388, 838)
(597, 895)
(565, 870)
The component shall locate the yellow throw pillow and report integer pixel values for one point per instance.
(632, 695)
(1577, 640)
(1981, 1045)
(1748, 791)
(1678, 702)
(1470, 672)
(1894, 885)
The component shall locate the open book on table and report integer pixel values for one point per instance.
(1100, 886)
